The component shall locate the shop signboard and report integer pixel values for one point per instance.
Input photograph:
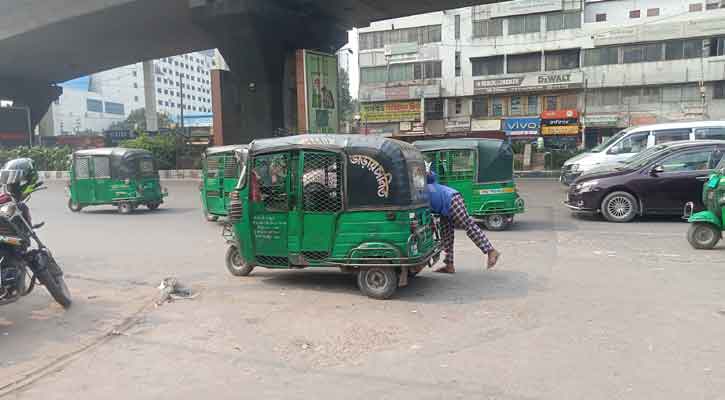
(394, 111)
(601, 121)
(522, 126)
(642, 119)
(563, 130)
(461, 124)
(520, 7)
(485, 125)
(317, 82)
(560, 122)
(530, 82)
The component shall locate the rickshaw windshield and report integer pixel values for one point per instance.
(138, 167)
(495, 161)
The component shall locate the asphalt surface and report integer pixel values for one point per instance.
(578, 309)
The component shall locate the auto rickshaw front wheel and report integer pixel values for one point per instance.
(498, 222)
(73, 206)
(125, 207)
(703, 236)
(378, 282)
(236, 264)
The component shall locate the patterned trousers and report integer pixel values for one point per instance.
(459, 217)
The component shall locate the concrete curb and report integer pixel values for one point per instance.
(165, 175)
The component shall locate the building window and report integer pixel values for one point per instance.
(568, 102)
(457, 23)
(524, 24)
(563, 20)
(94, 105)
(488, 28)
(420, 35)
(516, 106)
(135, 85)
(426, 70)
(161, 103)
(719, 90)
(135, 73)
(550, 103)
(601, 56)
(650, 95)
(563, 59)
(653, 12)
(679, 49)
(114, 108)
(434, 109)
(458, 63)
(487, 66)
(532, 105)
(717, 47)
(642, 53)
(498, 107)
(135, 98)
(522, 63)
(480, 106)
(600, 17)
(459, 106)
(695, 7)
(712, 5)
(634, 14)
(158, 79)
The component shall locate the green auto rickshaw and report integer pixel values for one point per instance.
(706, 226)
(482, 170)
(220, 173)
(125, 178)
(353, 202)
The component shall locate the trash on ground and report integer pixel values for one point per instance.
(170, 290)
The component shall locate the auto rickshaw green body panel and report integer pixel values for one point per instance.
(350, 201)
(220, 173)
(114, 176)
(706, 226)
(482, 171)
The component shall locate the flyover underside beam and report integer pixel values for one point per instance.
(35, 95)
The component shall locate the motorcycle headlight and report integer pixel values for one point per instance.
(8, 210)
(587, 186)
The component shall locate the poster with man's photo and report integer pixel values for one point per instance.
(321, 80)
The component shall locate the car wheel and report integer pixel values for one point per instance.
(703, 236)
(619, 207)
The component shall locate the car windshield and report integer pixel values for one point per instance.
(608, 142)
(643, 158)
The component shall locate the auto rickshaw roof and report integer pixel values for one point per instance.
(458, 144)
(328, 141)
(225, 149)
(119, 152)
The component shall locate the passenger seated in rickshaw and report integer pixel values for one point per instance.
(449, 204)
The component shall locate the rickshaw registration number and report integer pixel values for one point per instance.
(496, 191)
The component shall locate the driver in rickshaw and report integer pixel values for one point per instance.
(449, 204)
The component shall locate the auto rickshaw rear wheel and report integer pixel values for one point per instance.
(378, 282)
(73, 206)
(704, 236)
(236, 264)
(210, 217)
(125, 208)
(497, 222)
(153, 206)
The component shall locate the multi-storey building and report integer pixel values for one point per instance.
(569, 70)
(179, 81)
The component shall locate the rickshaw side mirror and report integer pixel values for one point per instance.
(657, 169)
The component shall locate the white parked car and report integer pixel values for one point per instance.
(631, 141)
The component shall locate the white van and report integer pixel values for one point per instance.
(631, 141)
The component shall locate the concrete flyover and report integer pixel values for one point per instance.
(43, 43)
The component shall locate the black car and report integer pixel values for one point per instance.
(660, 180)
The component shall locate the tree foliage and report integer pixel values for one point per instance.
(136, 121)
(45, 158)
(346, 101)
(163, 148)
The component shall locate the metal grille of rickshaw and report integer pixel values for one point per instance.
(315, 255)
(212, 163)
(272, 172)
(213, 193)
(322, 182)
(272, 260)
(230, 167)
(83, 168)
(235, 207)
(457, 165)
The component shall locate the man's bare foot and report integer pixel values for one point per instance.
(493, 257)
(448, 269)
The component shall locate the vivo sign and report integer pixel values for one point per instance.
(522, 126)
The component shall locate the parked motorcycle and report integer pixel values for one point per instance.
(24, 259)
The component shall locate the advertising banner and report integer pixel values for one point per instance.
(485, 125)
(560, 130)
(394, 111)
(317, 92)
(530, 82)
(462, 124)
(522, 126)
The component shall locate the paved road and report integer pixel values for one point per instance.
(579, 309)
